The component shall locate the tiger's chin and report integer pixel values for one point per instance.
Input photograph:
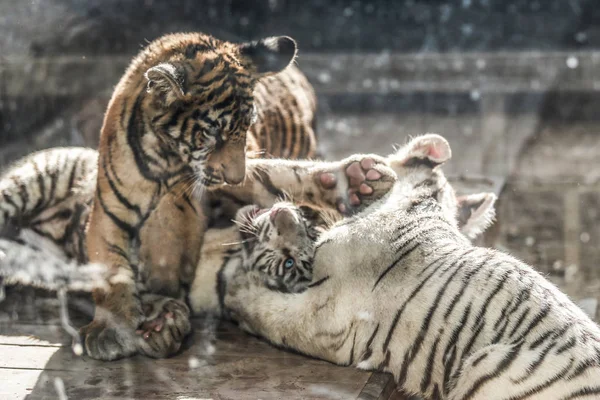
(199, 185)
(205, 181)
(211, 182)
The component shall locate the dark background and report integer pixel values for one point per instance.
(514, 85)
(116, 26)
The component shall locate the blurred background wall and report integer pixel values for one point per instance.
(513, 84)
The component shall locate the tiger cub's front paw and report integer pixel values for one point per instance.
(162, 335)
(105, 340)
(362, 180)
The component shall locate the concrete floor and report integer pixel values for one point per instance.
(220, 362)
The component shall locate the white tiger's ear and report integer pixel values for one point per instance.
(269, 55)
(476, 213)
(430, 149)
(167, 80)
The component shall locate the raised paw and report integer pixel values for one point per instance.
(104, 340)
(362, 181)
(162, 334)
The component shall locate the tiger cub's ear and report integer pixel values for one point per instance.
(428, 150)
(269, 55)
(476, 213)
(167, 80)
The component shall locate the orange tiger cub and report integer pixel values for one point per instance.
(183, 116)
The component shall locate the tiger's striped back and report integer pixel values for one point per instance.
(50, 193)
(468, 322)
(286, 107)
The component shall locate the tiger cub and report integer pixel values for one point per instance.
(398, 288)
(180, 122)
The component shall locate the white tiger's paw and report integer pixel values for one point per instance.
(362, 180)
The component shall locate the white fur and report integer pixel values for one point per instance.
(436, 311)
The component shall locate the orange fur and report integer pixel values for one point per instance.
(181, 117)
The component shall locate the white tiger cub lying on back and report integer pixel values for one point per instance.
(398, 288)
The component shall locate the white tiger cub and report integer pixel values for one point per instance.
(279, 243)
(398, 288)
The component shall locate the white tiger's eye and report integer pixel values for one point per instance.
(289, 263)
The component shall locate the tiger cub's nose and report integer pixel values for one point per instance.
(234, 178)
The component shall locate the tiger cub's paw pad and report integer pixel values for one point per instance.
(367, 179)
(162, 336)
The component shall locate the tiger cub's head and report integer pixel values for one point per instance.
(199, 98)
(422, 184)
(279, 242)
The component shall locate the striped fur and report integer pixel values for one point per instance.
(50, 192)
(69, 174)
(32, 260)
(47, 196)
(279, 243)
(261, 240)
(180, 121)
(399, 289)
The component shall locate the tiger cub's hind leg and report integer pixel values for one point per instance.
(484, 375)
(166, 326)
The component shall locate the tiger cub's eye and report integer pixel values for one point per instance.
(289, 263)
